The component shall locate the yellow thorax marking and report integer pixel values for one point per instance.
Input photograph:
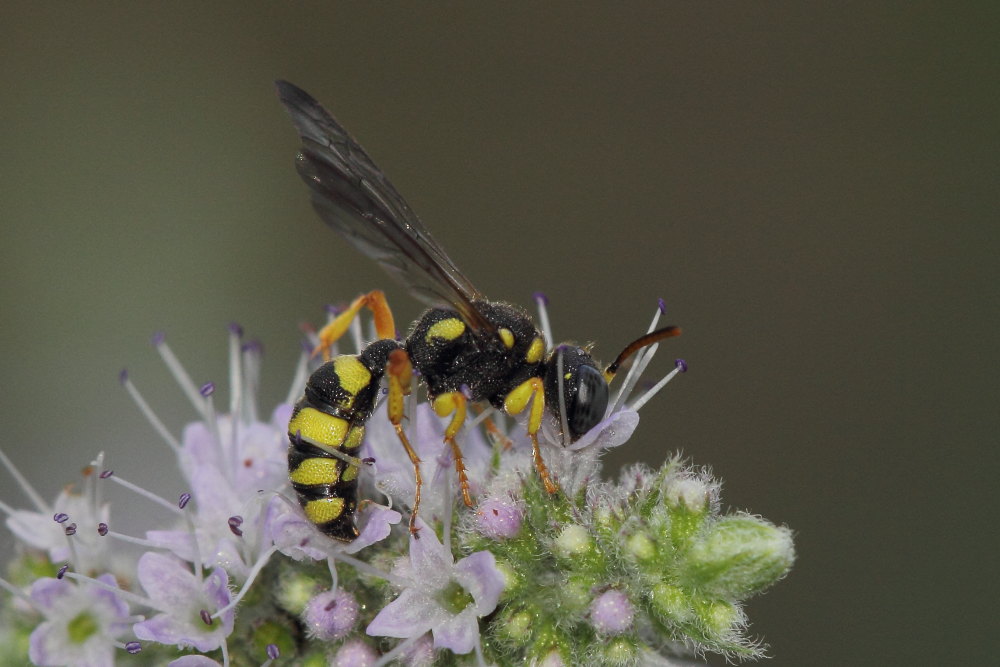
(507, 336)
(447, 329)
(316, 471)
(350, 474)
(535, 351)
(324, 509)
(352, 373)
(318, 428)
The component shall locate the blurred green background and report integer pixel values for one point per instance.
(812, 191)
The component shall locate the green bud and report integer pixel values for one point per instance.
(640, 547)
(620, 651)
(511, 579)
(576, 592)
(737, 557)
(573, 541)
(270, 632)
(295, 591)
(717, 617)
(689, 492)
(671, 602)
(315, 660)
(517, 627)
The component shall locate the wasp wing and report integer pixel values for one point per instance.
(354, 197)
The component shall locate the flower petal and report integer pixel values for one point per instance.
(410, 615)
(377, 522)
(612, 432)
(479, 575)
(458, 633)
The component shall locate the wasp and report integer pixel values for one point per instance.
(465, 348)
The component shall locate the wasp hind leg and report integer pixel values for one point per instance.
(532, 391)
(399, 372)
(374, 301)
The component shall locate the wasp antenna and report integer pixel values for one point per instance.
(638, 344)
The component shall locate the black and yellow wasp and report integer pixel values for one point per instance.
(466, 349)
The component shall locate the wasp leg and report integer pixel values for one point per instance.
(375, 301)
(454, 403)
(496, 435)
(531, 390)
(399, 372)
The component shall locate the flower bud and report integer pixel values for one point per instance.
(612, 613)
(499, 518)
(331, 615)
(738, 556)
(355, 653)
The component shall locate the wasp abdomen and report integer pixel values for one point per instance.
(329, 419)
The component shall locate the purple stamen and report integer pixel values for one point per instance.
(273, 652)
(106, 473)
(335, 308)
(234, 525)
(662, 304)
(253, 346)
(133, 647)
(183, 500)
(102, 529)
(123, 375)
(368, 460)
(60, 517)
(206, 618)
(466, 391)
(331, 605)
(62, 571)
(70, 529)
(158, 338)
(540, 297)
(681, 365)
(207, 389)
(235, 329)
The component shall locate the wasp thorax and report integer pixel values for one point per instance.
(575, 389)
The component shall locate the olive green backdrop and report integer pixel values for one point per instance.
(812, 191)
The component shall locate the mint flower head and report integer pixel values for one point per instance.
(635, 570)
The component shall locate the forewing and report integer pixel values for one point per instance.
(354, 197)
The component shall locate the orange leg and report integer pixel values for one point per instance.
(532, 391)
(399, 371)
(496, 436)
(454, 403)
(375, 302)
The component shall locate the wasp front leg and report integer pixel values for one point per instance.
(454, 403)
(531, 391)
(385, 327)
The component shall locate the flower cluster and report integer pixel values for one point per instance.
(636, 571)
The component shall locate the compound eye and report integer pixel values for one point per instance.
(590, 402)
